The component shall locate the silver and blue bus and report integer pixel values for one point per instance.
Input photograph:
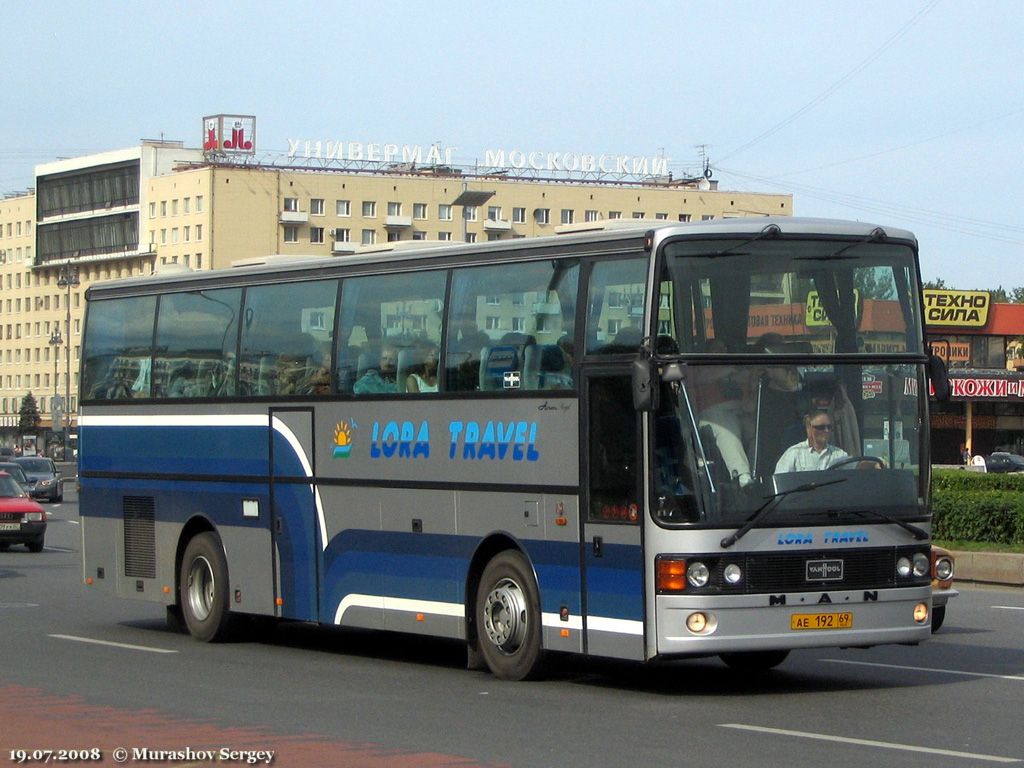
(639, 442)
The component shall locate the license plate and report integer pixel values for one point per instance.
(821, 621)
(10, 526)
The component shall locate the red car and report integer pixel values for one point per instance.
(22, 521)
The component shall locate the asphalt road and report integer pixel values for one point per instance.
(82, 671)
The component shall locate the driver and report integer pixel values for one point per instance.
(816, 452)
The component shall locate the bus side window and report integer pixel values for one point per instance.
(512, 329)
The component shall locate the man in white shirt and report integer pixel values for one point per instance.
(816, 452)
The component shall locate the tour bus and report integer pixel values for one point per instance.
(639, 442)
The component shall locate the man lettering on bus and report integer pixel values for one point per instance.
(817, 451)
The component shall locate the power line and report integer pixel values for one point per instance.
(837, 84)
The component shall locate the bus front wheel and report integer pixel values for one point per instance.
(203, 588)
(508, 618)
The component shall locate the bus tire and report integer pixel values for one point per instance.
(754, 661)
(203, 588)
(508, 618)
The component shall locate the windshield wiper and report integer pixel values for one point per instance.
(768, 506)
(919, 533)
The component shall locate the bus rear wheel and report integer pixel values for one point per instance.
(754, 661)
(508, 618)
(203, 588)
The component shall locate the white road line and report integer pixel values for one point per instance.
(870, 743)
(1017, 678)
(114, 645)
(1009, 607)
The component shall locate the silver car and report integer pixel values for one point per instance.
(43, 477)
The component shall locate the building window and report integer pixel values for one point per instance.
(174, 207)
(492, 236)
(494, 213)
(369, 209)
(316, 206)
(369, 237)
(469, 212)
(187, 205)
(342, 235)
(394, 237)
(291, 234)
(707, 217)
(291, 204)
(444, 236)
(638, 214)
(614, 214)
(444, 212)
(684, 217)
(199, 231)
(518, 215)
(542, 215)
(519, 324)
(591, 216)
(471, 237)
(493, 323)
(567, 215)
(199, 203)
(661, 216)
(316, 234)
(187, 232)
(419, 210)
(342, 207)
(152, 210)
(394, 209)
(419, 234)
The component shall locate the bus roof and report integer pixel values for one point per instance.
(565, 241)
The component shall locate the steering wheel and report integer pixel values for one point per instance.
(857, 459)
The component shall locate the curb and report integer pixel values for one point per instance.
(990, 568)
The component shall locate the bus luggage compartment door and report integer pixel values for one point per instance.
(294, 514)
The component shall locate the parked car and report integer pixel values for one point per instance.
(14, 470)
(1004, 462)
(22, 520)
(43, 477)
(943, 565)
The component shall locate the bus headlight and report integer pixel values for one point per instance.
(733, 574)
(698, 574)
(922, 564)
(904, 567)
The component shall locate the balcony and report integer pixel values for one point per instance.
(294, 217)
(343, 246)
(497, 225)
(397, 222)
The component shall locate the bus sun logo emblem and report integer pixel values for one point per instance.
(511, 380)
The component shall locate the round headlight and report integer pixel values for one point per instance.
(733, 573)
(922, 564)
(944, 568)
(903, 567)
(697, 574)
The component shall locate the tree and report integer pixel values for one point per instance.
(28, 415)
(938, 284)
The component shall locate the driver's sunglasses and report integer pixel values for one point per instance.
(822, 427)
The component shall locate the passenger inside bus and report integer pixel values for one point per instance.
(380, 377)
(417, 368)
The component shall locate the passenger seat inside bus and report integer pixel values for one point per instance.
(502, 364)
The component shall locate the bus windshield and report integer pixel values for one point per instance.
(793, 365)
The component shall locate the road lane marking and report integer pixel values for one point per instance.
(114, 645)
(1018, 678)
(1009, 607)
(871, 743)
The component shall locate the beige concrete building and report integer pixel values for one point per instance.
(152, 207)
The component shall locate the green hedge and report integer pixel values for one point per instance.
(974, 506)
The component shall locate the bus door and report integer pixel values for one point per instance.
(612, 558)
(294, 515)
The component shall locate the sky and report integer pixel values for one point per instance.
(902, 113)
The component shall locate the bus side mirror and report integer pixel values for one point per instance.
(938, 376)
(645, 384)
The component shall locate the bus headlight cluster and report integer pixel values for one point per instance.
(733, 574)
(916, 565)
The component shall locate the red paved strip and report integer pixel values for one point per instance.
(32, 719)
